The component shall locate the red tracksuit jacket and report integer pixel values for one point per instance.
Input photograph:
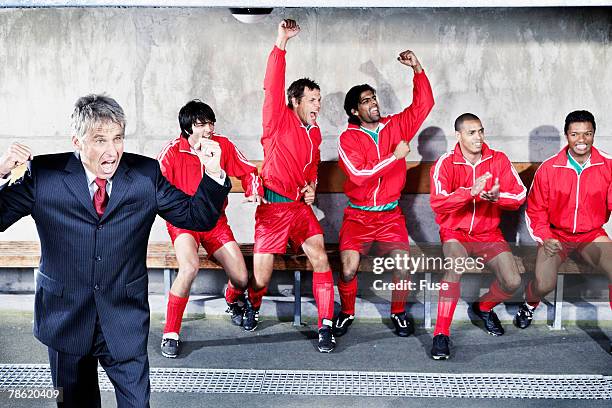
(291, 153)
(451, 180)
(182, 167)
(562, 199)
(374, 175)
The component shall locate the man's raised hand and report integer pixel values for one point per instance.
(209, 153)
(16, 155)
(286, 29)
(409, 59)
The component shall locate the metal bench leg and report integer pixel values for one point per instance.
(557, 323)
(297, 298)
(35, 273)
(427, 302)
(167, 285)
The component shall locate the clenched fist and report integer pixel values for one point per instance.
(16, 155)
(209, 153)
(401, 150)
(409, 59)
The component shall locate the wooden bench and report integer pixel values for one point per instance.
(331, 178)
(26, 254)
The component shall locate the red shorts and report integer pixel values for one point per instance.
(211, 240)
(360, 229)
(278, 223)
(572, 242)
(486, 245)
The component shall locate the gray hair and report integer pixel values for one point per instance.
(92, 110)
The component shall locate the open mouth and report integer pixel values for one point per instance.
(108, 166)
(313, 116)
(374, 112)
(580, 147)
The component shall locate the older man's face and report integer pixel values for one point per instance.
(101, 149)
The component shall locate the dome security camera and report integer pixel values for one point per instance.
(250, 15)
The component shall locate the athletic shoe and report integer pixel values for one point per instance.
(440, 348)
(490, 320)
(170, 345)
(403, 326)
(342, 323)
(327, 342)
(250, 317)
(236, 310)
(524, 316)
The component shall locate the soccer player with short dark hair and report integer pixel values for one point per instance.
(180, 165)
(291, 139)
(470, 187)
(569, 202)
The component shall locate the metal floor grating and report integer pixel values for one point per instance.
(371, 384)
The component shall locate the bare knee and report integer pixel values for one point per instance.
(452, 276)
(544, 286)
(240, 282)
(188, 270)
(348, 272)
(319, 261)
(510, 283)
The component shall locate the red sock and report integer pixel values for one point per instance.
(174, 314)
(256, 296)
(323, 291)
(232, 294)
(399, 296)
(493, 297)
(610, 294)
(530, 297)
(447, 302)
(348, 294)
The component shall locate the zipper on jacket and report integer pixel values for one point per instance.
(380, 178)
(577, 197)
(474, 199)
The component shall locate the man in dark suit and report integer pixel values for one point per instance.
(93, 210)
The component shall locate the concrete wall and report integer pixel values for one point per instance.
(520, 70)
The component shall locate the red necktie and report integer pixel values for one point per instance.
(100, 198)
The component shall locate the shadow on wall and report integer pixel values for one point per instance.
(420, 218)
(544, 142)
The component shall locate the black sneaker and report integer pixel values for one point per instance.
(250, 317)
(327, 342)
(524, 316)
(236, 310)
(342, 323)
(491, 321)
(403, 326)
(170, 346)
(440, 348)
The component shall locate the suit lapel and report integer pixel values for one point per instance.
(76, 180)
(121, 184)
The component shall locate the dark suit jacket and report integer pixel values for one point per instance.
(92, 265)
